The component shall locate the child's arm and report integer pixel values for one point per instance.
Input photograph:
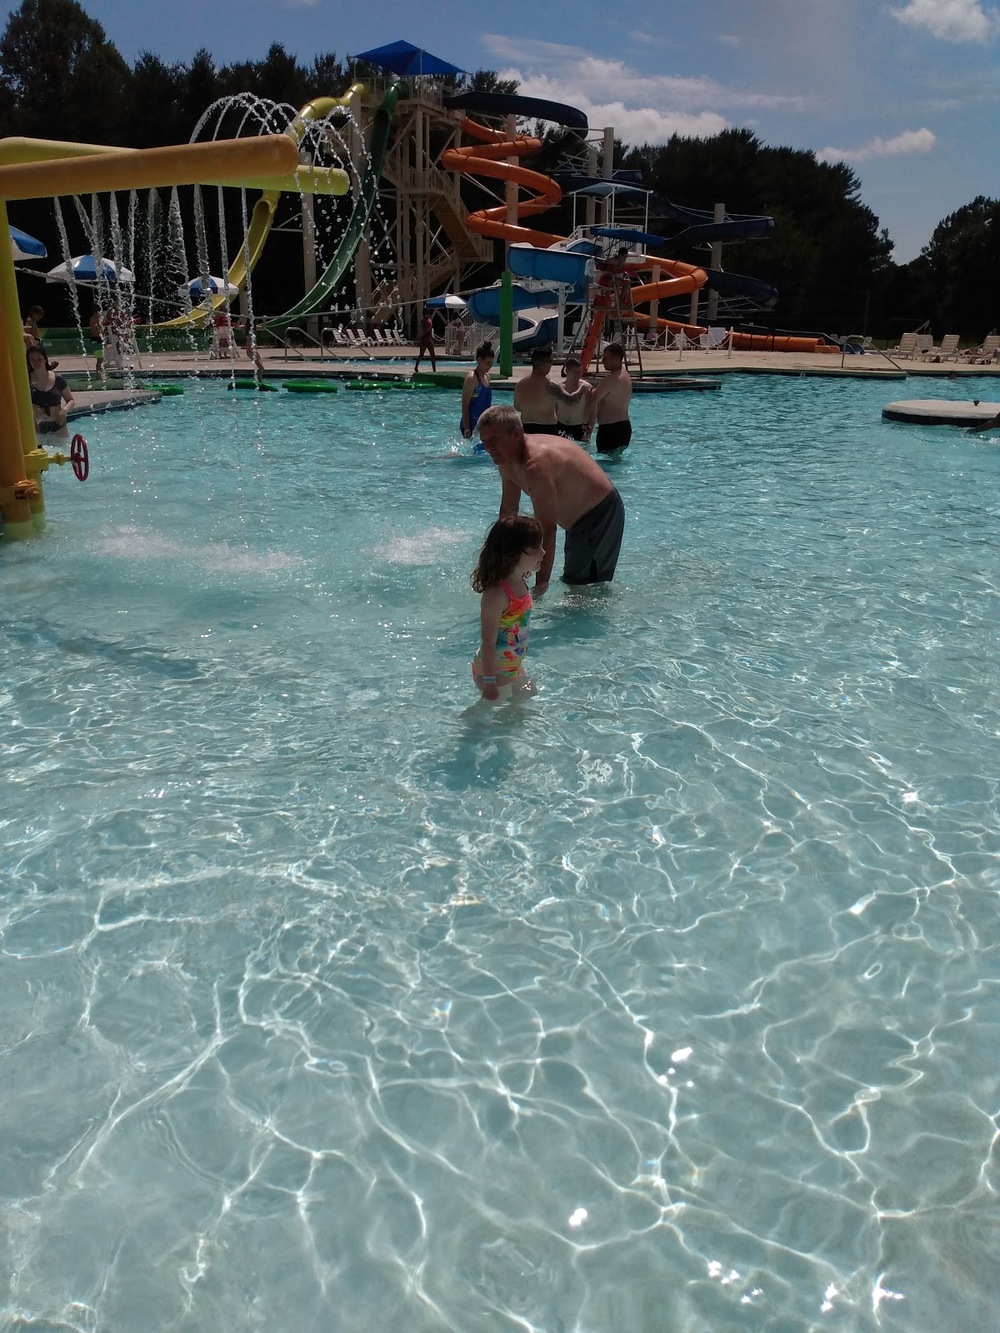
(490, 611)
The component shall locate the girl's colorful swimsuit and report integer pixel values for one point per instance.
(512, 638)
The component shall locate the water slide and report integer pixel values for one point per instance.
(262, 217)
(486, 158)
(358, 221)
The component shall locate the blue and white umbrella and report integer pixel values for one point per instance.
(86, 268)
(447, 302)
(213, 285)
(25, 246)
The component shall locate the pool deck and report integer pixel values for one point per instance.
(397, 363)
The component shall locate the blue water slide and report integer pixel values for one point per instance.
(565, 267)
(729, 284)
(737, 284)
(484, 306)
(701, 224)
(509, 104)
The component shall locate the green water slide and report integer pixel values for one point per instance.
(358, 221)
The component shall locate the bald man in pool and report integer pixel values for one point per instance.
(567, 489)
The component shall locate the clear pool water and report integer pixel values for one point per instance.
(666, 1000)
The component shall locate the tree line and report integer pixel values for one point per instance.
(61, 77)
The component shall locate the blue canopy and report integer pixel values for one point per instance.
(25, 246)
(405, 59)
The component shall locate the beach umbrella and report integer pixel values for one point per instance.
(446, 302)
(25, 246)
(87, 268)
(213, 285)
(408, 60)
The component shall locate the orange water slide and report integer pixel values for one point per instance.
(486, 158)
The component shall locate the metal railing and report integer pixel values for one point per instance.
(306, 338)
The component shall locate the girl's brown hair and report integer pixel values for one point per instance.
(505, 543)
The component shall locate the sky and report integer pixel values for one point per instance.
(905, 91)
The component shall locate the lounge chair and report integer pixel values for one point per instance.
(948, 351)
(680, 342)
(907, 346)
(986, 353)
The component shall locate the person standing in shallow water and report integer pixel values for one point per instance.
(567, 489)
(511, 553)
(534, 397)
(610, 403)
(477, 395)
(574, 404)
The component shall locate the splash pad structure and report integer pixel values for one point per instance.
(39, 168)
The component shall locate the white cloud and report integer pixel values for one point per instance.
(952, 20)
(910, 141)
(643, 108)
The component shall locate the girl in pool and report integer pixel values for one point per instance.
(512, 550)
(51, 400)
(477, 395)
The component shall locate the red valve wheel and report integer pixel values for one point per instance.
(79, 457)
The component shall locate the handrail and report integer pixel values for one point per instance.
(306, 335)
(867, 352)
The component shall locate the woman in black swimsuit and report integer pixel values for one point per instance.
(51, 399)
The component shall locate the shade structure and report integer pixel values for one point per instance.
(407, 60)
(88, 268)
(446, 302)
(25, 246)
(196, 287)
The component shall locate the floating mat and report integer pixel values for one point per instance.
(166, 390)
(309, 386)
(252, 384)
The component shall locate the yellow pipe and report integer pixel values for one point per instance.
(18, 149)
(230, 160)
(306, 179)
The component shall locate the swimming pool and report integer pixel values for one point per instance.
(664, 1000)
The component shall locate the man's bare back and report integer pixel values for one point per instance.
(558, 475)
(563, 482)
